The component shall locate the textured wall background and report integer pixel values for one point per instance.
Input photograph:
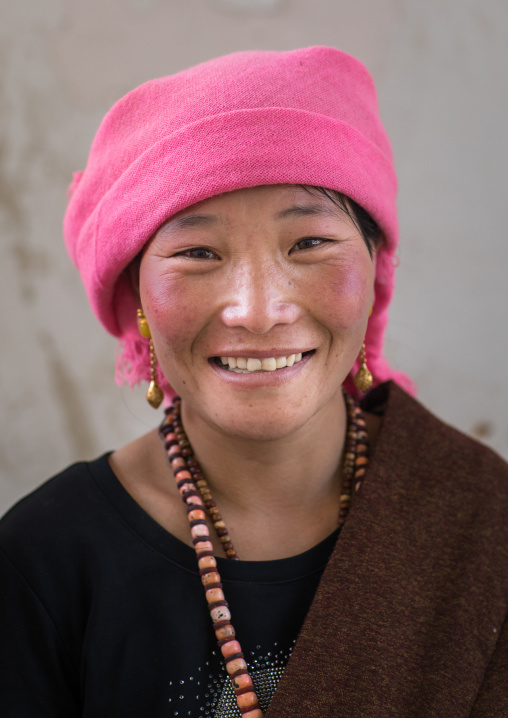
(441, 68)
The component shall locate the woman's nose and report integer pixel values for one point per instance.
(260, 299)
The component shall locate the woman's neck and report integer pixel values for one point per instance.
(277, 498)
(282, 493)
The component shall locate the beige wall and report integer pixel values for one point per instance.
(441, 67)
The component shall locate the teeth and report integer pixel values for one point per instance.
(244, 365)
(253, 364)
(269, 364)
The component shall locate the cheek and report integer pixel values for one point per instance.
(346, 294)
(172, 309)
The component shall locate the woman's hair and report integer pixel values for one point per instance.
(368, 228)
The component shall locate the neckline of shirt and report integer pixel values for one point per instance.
(152, 534)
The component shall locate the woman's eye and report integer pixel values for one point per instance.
(308, 242)
(198, 253)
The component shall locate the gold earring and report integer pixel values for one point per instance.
(154, 394)
(143, 327)
(363, 378)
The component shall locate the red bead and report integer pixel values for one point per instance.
(230, 648)
(254, 713)
(247, 700)
(212, 577)
(226, 631)
(237, 664)
(214, 594)
(242, 681)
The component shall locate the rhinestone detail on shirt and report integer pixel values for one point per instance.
(214, 696)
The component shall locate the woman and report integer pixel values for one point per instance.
(235, 227)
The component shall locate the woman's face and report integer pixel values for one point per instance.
(266, 277)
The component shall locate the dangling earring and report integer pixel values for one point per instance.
(363, 378)
(154, 394)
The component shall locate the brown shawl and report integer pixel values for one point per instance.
(410, 615)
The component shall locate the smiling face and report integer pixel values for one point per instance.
(237, 287)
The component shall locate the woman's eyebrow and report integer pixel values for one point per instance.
(306, 210)
(209, 220)
(191, 220)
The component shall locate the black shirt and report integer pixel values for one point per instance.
(102, 611)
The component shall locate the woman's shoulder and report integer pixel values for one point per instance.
(420, 436)
(53, 516)
(58, 493)
(428, 464)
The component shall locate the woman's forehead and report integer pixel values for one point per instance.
(282, 201)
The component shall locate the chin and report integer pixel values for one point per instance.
(267, 420)
(259, 431)
(271, 431)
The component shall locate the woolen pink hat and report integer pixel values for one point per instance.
(307, 116)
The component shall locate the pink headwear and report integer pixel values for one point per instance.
(307, 117)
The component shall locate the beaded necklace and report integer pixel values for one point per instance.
(198, 499)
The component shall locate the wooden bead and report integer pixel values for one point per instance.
(214, 594)
(247, 700)
(220, 613)
(199, 530)
(204, 546)
(207, 562)
(237, 664)
(193, 499)
(223, 632)
(241, 681)
(196, 514)
(256, 713)
(208, 578)
(230, 648)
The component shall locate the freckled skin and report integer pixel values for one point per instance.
(258, 283)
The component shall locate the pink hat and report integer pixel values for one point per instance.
(307, 116)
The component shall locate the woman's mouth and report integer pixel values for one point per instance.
(250, 365)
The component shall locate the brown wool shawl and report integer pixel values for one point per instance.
(410, 616)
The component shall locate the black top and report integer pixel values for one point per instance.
(102, 611)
